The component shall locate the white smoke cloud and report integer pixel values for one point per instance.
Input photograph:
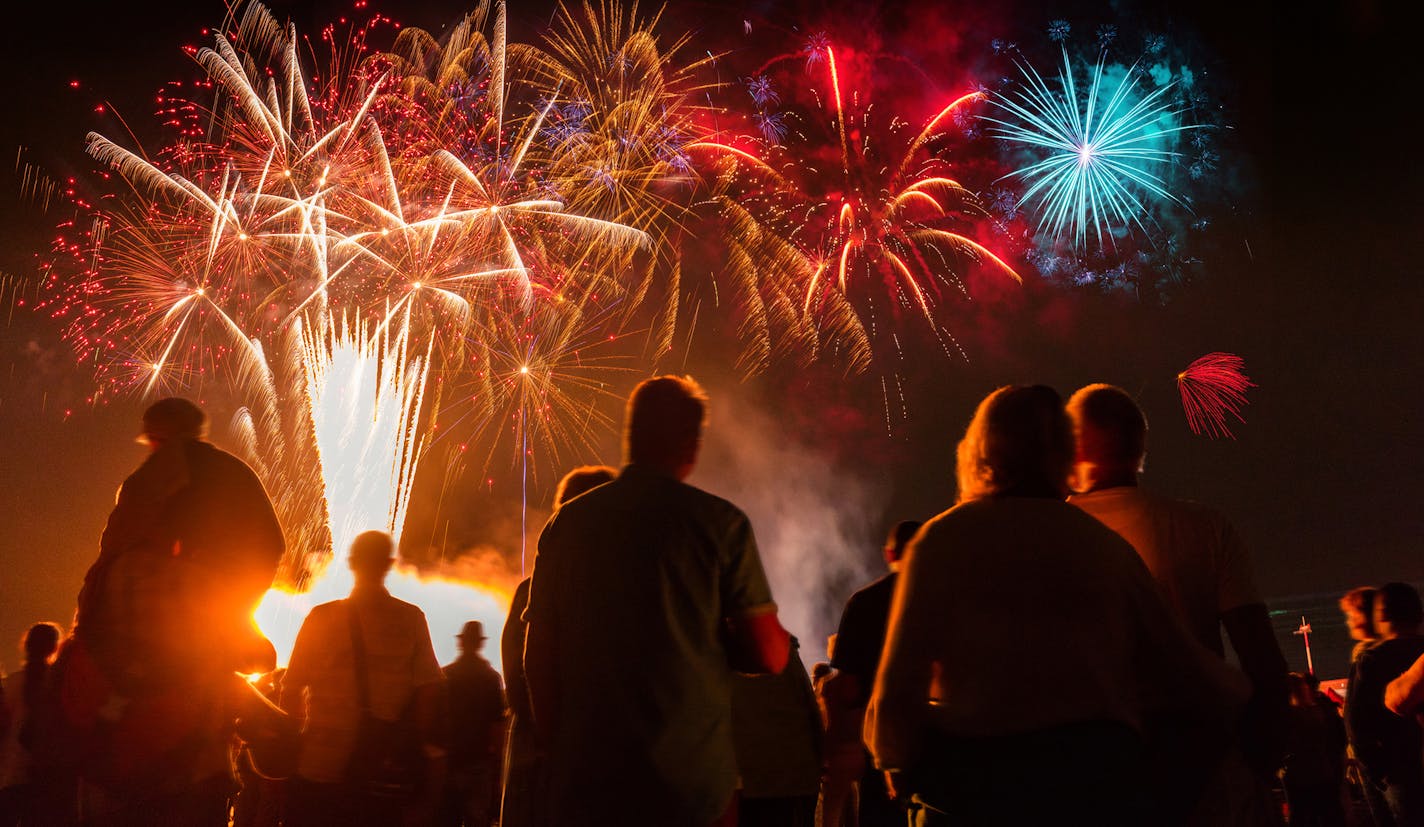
(818, 524)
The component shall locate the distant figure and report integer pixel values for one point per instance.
(1387, 747)
(856, 657)
(1197, 558)
(1314, 770)
(366, 657)
(477, 725)
(525, 780)
(192, 543)
(776, 729)
(24, 690)
(1028, 645)
(647, 593)
(1358, 606)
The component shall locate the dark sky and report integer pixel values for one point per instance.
(1322, 479)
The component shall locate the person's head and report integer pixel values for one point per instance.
(41, 642)
(372, 555)
(581, 481)
(1302, 691)
(1398, 610)
(1018, 444)
(1110, 434)
(1358, 606)
(663, 427)
(471, 637)
(171, 419)
(898, 539)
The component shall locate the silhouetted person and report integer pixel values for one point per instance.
(1314, 770)
(525, 780)
(1358, 606)
(477, 727)
(856, 657)
(22, 797)
(646, 593)
(1387, 747)
(164, 619)
(193, 542)
(776, 729)
(1028, 645)
(324, 686)
(1197, 558)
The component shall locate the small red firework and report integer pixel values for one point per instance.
(1212, 387)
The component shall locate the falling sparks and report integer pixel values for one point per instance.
(1213, 388)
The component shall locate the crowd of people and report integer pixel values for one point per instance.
(1048, 650)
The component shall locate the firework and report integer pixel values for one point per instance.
(845, 227)
(1102, 150)
(1212, 388)
(324, 252)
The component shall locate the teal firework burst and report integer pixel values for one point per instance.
(1101, 153)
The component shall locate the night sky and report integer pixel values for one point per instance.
(1322, 298)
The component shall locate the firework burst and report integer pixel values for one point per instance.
(1102, 150)
(1213, 388)
(860, 224)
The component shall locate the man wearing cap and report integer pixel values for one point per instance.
(367, 656)
(477, 727)
(193, 531)
(164, 620)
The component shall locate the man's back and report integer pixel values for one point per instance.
(399, 659)
(633, 582)
(1192, 551)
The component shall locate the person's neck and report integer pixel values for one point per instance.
(1100, 477)
(673, 470)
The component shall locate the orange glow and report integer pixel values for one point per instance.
(448, 602)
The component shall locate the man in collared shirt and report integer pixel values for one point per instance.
(320, 687)
(646, 594)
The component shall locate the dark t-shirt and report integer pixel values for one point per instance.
(1384, 742)
(634, 580)
(861, 635)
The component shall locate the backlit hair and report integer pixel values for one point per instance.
(1019, 443)
(580, 481)
(1109, 426)
(665, 417)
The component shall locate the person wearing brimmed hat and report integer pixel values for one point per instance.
(477, 728)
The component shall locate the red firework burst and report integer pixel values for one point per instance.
(1213, 387)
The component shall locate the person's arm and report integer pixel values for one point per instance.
(1405, 694)
(756, 641)
(431, 712)
(895, 718)
(1364, 708)
(541, 648)
(759, 643)
(1268, 712)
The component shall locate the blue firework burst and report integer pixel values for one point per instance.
(1101, 152)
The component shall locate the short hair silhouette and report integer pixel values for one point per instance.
(665, 417)
(372, 553)
(174, 418)
(1362, 600)
(899, 537)
(1019, 442)
(1399, 604)
(580, 481)
(1111, 429)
